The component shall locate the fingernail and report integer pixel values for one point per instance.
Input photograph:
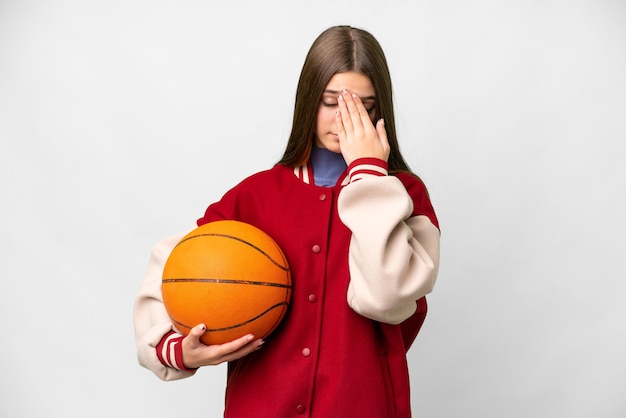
(250, 337)
(260, 344)
(340, 98)
(354, 95)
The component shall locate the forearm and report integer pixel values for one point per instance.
(151, 320)
(393, 256)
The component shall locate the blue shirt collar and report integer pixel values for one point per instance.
(327, 166)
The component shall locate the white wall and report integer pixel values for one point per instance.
(120, 121)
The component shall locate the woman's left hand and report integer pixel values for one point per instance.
(358, 137)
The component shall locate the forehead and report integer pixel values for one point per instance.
(354, 82)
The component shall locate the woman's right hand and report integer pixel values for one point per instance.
(197, 354)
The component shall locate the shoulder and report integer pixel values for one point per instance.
(248, 194)
(260, 181)
(266, 176)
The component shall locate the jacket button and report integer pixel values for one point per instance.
(312, 298)
(323, 197)
(306, 352)
(316, 248)
(301, 409)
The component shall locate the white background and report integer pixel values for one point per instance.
(120, 121)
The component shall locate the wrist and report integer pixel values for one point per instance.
(170, 351)
(364, 167)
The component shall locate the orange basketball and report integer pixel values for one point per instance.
(230, 276)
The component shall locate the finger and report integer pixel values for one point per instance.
(382, 135)
(339, 129)
(244, 351)
(232, 346)
(353, 114)
(219, 353)
(364, 115)
(344, 113)
(196, 332)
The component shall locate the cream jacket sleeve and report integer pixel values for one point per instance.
(393, 257)
(151, 320)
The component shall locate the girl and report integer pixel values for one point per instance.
(362, 241)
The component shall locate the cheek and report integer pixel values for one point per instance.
(325, 117)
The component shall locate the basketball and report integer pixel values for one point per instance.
(230, 276)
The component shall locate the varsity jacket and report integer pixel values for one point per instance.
(363, 255)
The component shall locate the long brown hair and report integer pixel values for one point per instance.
(336, 50)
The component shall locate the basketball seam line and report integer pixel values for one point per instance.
(241, 323)
(240, 240)
(228, 281)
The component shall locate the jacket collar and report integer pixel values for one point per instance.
(305, 174)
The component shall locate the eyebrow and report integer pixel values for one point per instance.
(362, 98)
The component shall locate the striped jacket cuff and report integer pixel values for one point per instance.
(170, 351)
(364, 167)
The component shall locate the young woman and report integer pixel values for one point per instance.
(362, 241)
